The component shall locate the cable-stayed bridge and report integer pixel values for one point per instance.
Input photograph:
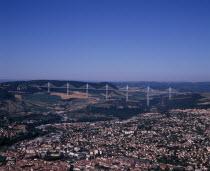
(126, 90)
(151, 92)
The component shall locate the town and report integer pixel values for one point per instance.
(178, 140)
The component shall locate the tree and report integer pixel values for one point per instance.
(71, 168)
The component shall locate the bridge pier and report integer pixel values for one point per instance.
(169, 93)
(148, 89)
(107, 88)
(87, 86)
(48, 86)
(127, 93)
(67, 88)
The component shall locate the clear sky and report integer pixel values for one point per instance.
(111, 40)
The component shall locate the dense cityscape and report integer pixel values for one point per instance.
(178, 140)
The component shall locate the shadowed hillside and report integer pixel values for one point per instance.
(180, 86)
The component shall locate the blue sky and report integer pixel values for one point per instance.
(112, 40)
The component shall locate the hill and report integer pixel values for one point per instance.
(30, 96)
(77, 106)
(13, 85)
(5, 95)
(180, 86)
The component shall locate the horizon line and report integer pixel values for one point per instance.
(130, 81)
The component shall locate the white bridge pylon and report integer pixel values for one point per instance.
(168, 91)
(149, 91)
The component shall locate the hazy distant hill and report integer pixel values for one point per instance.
(58, 83)
(180, 86)
(94, 107)
(30, 98)
(29, 85)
